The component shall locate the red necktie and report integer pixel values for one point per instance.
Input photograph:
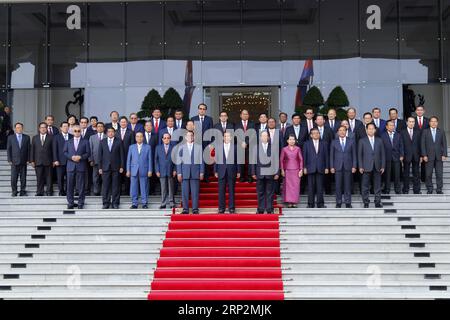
(245, 126)
(420, 123)
(156, 126)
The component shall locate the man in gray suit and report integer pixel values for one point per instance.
(94, 159)
(434, 152)
(371, 162)
(190, 170)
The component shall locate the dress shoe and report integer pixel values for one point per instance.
(321, 206)
(81, 206)
(206, 180)
(348, 206)
(231, 211)
(185, 212)
(221, 211)
(386, 192)
(145, 206)
(70, 206)
(76, 194)
(405, 192)
(366, 205)
(310, 206)
(429, 192)
(133, 207)
(418, 192)
(115, 206)
(439, 192)
(338, 205)
(259, 212)
(39, 195)
(14, 194)
(105, 206)
(195, 211)
(162, 207)
(378, 205)
(23, 193)
(97, 194)
(269, 212)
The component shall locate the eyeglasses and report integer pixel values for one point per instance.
(76, 131)
(202, 108)
(166, 138)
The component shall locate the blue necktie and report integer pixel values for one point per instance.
(19, 140)
(343, 145)
(434, 134)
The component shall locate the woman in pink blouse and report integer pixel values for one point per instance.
(291, 164)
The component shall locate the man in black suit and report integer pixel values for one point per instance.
(412, 158)
(326, 135)
(86, 133)
(308, 122)
(394, 152)
(422, 123)
(371, 162)
(111, 165)
(354, 123)
(244, 140)
(203, 122)
(227, 171)
(126, 136)
(5, 126)
(151, 138)
(343, 164)
(51, 128)
(434, 152)
(399, 124)
(223, 125)
(361, 131)
(265, 169)
(18, 153)
(262, 124)
(276, 142)
(333, 123)
(299, 131)
(179, 122)
(114, 116)
(42, 160)
(316, 161)
(60, 159)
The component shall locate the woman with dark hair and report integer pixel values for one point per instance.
(73, 121)
(291, 164)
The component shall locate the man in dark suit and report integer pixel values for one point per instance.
(308, 121)
(412, 158)
(151, 138)
(42, 160)
(333, 123)
(18, 153)
(299, 131)
(434, 152)
(51, 128)
(179, 122)
(326, 134)
(245, 137)
(394, 152)
(422, 123)
(165, 171)
(134, 125)
(399, 124)
(190, 171)
(262, 124)
(111, 164)
(349, 134)
(354, 123)
(265, 169)
(361, 132)
(204, 123)
(283, 124)
(114, 115)
(316, 161)
(5, 126)
(223, 125)
(170, 129)
(157, 122)
(379, 123)
(77, 154)
(276, 142)
(60, 159)
(86, 130)
(94, 145)
(126, 136)
(371, 162)
(343, 164)
(227, 171)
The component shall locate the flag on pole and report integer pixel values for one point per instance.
(304, 82)
(189, 88)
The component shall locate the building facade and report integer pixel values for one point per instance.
(229, 53)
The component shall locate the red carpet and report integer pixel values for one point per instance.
(219, 257)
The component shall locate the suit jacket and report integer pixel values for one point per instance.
(163, 162)
(128, 139)
(139, 164)
(229, 126)
(411, 147)
(433, 150)
(190, 167)
(227, 165)
(264, 164)
(328, 134)
(401, 125)
(350, 135)
(82, 150)
(250, 126)
(18, 156)
(278, 136)
(139, 127)
(358, 125)
(343, 159)
(183, 124)
(55, 130)
(94, 145)
(362, 133)
(109, 125)
(335, 128)
(382, 125)
(367, 157)
(425, 123)
(89, 132)
(162, 132)
(393, 151)
(58, 148)
(302, 136)
(316, 162)
(42, 155)
(111, 161)
(162, 124)
(208, 123)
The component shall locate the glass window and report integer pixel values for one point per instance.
(68, 50)
(419, 35)
(3, 40)
(261, 30)
(379, 29)
(339, 29)
(300, 30)
(222, 30)
(106, 32)
(182, 31)
(446, 37)
(144, 31)
(28, 45)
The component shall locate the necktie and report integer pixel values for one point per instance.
(434, 134)
(316, 146)
(76, 141)
(224, 127)
(245, 126)
(42, 140)
(343, 144)
(410, 134)
(309, 125)
(19, 140)
(50, 131)
(392, 138)
(166, 148)
(372, 143)
(178, 124)
(283, 128)
(226, 152)
(297, 129)
(99, 136)
(156, 125)
(65, 137)
(201, 120)
(332, 124)
(190, 150)
(420, 122)
(123, 134)
(351, 125)
(139, 149)
(321, 133)
(110, 142)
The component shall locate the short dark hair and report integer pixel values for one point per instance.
(313, 129)
(93, 118)
(320, 115)
(18, 124)
(49, 116)
(393, 109)
(84, 118)
(263, 113)
(343, 127)
(223, 112)
(202, 104)
(170, 117)
(114, 111)
(281, 113)
(421, 106)
(123, 117)
(62, 123)
(111, 128)
(296, 115)
(42, 123)
(376, 108)
(178, 110)
(100, 123)
(309, 108)
(367, 114)
(434, 117)
(371, 124)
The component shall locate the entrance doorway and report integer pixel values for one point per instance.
(234, 99)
